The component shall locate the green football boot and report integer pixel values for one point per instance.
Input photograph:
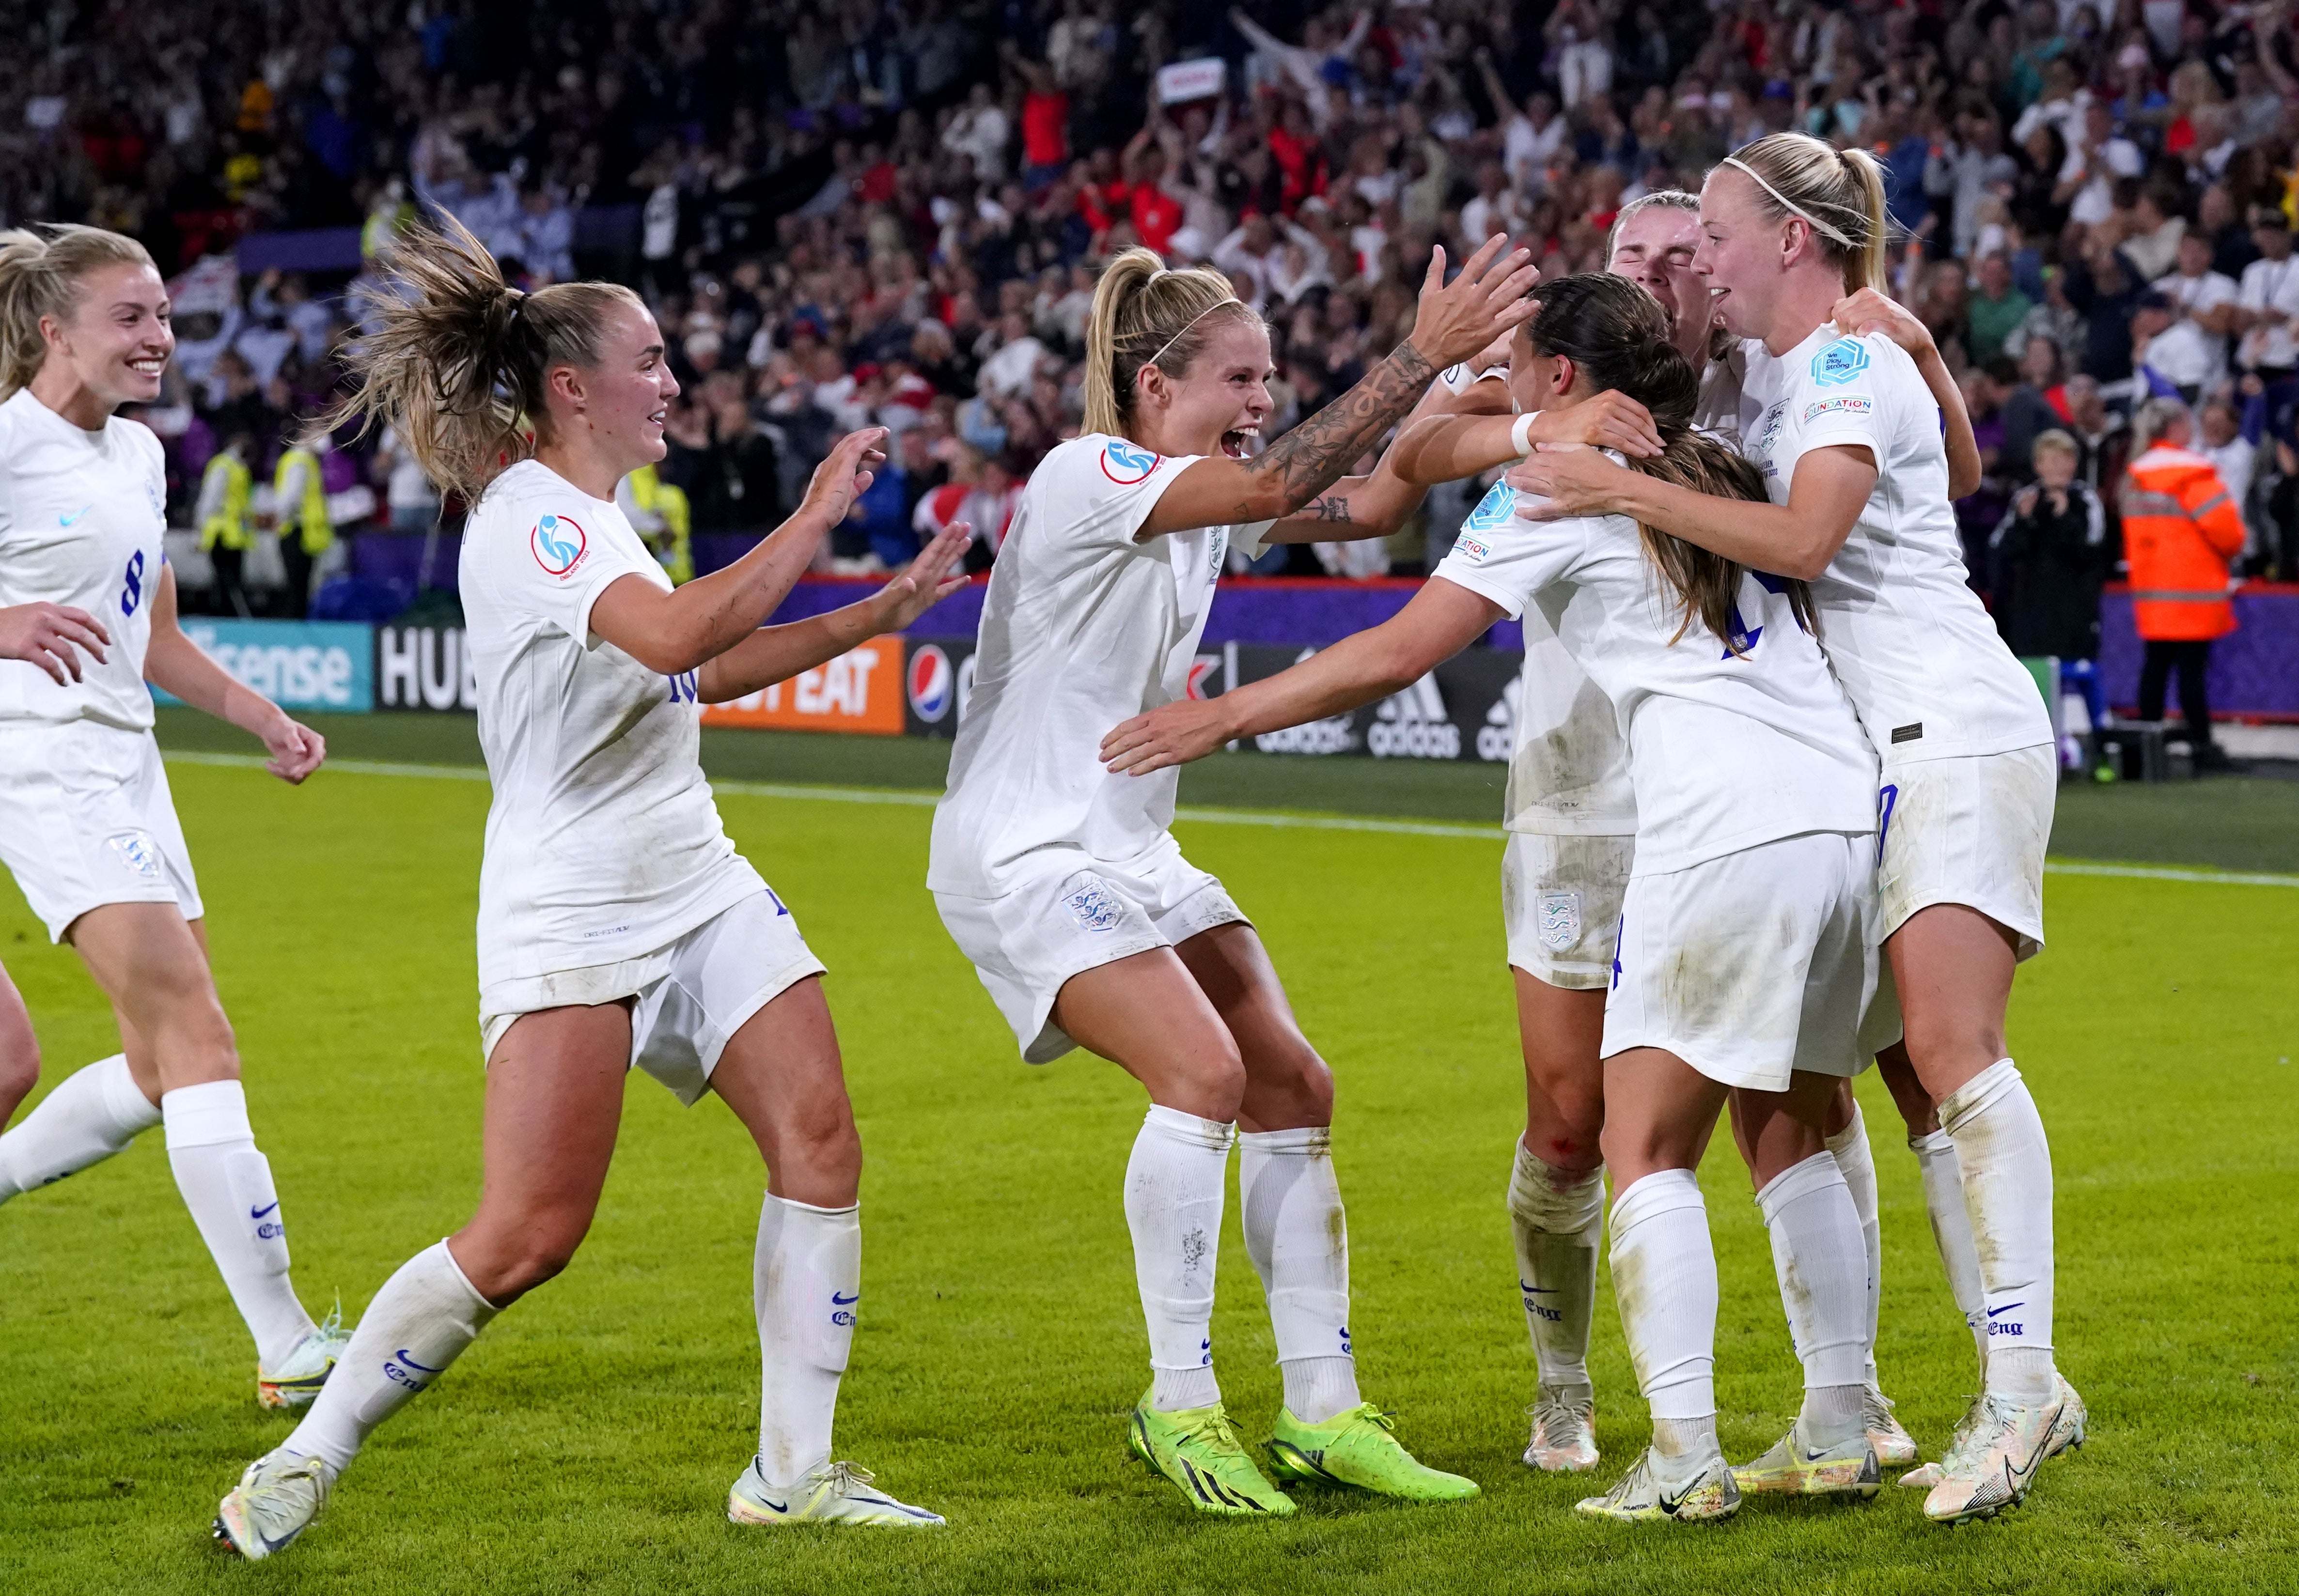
(1356, 1447)
(1196, 1449)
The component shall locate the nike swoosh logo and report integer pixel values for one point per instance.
(67, 520)
(403, 1357)
(2007, 1307)
(1545, 1291)
(838, 1302)
(257, 1213)
(1683, 1496)
(778, 1507)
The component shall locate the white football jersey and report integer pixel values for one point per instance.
(1725, 751)
(1082, 629)
(603, 842)
(1911, 641)
(1569, 770)
(83, 520)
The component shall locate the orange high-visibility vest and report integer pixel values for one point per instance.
(2180, 531)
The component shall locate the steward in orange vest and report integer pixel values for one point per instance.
(2181, 529)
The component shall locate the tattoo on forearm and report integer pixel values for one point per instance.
(1330, 507)
(1314, 455)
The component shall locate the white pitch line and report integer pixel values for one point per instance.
(1216, 817)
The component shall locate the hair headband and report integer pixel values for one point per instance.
(1789, 205)
(1200, 316)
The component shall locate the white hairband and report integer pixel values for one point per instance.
(1789, 205)
(1200, 316)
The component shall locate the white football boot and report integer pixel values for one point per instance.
(301, 1374)
(1894, 1447)
(1995, 1464)
(834, 1493)
(1705, 1493)
(1564, 1430)
(274, 1502)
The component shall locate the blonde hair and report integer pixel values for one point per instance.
(1837, 193)
(1144, 315)
(459, 358)
(2052, 441)
(40, 275)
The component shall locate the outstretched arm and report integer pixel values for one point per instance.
(1444, 449)
(1456, 320)
(1444, 618)
(774, 654)
(686, 628)
(1374, 506)
(173, 662)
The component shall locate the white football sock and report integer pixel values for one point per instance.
(95, 1113)
(1818, 1259)
(1173, 1190)
(226, 1184)
(1943, 1178)
(419, 1323)
(1557, 1220)
(2007, 1190)
(1849, 1148)
(1299, 1239)
(806, 1281)
(1665, 1278)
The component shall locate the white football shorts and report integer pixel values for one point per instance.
(1754, 964)
(1972, 830)
(689, 998)
(1561, 904)
(1072, 914)
(85, 819)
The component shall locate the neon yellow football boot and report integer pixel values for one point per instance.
(1196, 1450)
(1356, 1447)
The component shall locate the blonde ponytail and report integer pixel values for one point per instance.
(1144, 315)
(460, 359)
(1837, 193)
(40, 274)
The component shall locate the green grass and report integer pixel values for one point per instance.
(586, 1441)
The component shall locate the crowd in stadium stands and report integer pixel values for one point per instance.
(889, 211)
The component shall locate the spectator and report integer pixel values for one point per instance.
(2037, 403)
(2191, 353)
(2049, 555)
(2180, 530)
(2267, 301)
(1994, 313)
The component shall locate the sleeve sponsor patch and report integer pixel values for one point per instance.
(1843, 404)
(1469, 547)
(559, 545)
(1492, 510)
(1840, 362)
(1126, 463)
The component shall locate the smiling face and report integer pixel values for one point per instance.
(1749, 258)
(115, 341)
(1655, 250)
(1216, 404)
(616, 408)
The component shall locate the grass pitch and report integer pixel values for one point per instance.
(586, 1441)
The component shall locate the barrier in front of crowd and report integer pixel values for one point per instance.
(318, 666)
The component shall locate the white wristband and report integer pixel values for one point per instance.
(1521, 434)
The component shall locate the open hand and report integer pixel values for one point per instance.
(928, 579)
(1174, 733)
(47, 635)
(1571, 480)
(845, 474)
(295, 749)
(1485, 301)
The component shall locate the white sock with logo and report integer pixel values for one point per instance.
(1819, 1260)
(1298, 1237)
(93, 1113)
(1849, 1148)
(806, 1281)
(2007, 1190)
(1557, 1218)
(1174, 1184)
(1665, 1279)
(419, 1323)
(226, 1184)
(1943, 1178)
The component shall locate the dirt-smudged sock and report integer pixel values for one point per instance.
(2007, 1191)
(419, 1323)
(95, 1113)
(1819, 1260)
(1665, 1278)
(1557, 1218)
(1849, 1148)
(806, 1282)
(1297, 1237)
(1173, 1189)
(1943, 1178)
(227, 1185)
